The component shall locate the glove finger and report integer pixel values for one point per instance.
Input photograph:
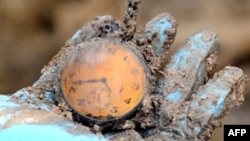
(157, 36)
(159, 32)
(98, 27)
(186, 70)
(213, 102)
(153, 41)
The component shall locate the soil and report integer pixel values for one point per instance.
(155, 119)
(152, 118)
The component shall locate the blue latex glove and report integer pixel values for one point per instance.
(19, 122)
(186, 102)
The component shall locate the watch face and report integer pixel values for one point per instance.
(104, 81)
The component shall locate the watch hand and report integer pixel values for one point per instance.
(79, 82)
(103, 80)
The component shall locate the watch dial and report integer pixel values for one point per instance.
(104, 81)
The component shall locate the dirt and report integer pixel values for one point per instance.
(175, 91)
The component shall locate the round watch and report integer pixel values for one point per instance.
(105, 81)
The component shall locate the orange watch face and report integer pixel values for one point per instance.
(104, 81)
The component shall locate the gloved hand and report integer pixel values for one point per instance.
(184, 100)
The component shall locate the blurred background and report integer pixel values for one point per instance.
(33, 31)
